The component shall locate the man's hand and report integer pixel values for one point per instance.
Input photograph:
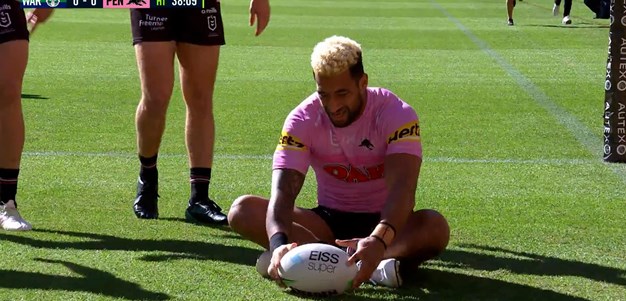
(36, 17)
(277, 255)
(369, 251)
(259, 12)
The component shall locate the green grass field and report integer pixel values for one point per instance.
(511, 123)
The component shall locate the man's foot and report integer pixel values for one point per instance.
(10, 219)
(567, 20)
(555, 10)
(510, 22)
(263, 263)
(387, 273)
(205, 212)
(146, 202)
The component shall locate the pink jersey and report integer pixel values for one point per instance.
(348, 162)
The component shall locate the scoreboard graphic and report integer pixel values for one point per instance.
(112, 3)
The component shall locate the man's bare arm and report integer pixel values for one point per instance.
(286, 185)
(401, 174)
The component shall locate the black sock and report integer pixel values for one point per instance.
(8, 185)
(148, 172)
(199, 178)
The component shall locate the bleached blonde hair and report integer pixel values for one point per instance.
(334, 55)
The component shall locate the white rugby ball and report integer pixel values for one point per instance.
(317, 268)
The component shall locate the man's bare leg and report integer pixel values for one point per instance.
(155, 61)
(12, 67)
(198, 71)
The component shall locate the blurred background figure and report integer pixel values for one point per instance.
(600, 7)
(566, 10)
(510, 4)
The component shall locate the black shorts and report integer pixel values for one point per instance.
(347, 225)
(194, 26)
(12, 22)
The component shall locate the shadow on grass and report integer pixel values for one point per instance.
(528, 264)
(425, 284)
(428, 283)
(436, 285)
(569, 26)
(90, 280)
(33, 96)
(175, 249)
(223, 228)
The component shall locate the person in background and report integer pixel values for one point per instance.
(566, 11)
(600, 7)
(195, 37)
(510, 5)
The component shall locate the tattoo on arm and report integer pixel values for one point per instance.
(286, 185)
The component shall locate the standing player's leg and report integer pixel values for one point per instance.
(594, 6)
(510, 4)
(198, 69)
(155, 61)
(567, 8)
(154, 50)
(14, 54)
(555, 7)
(198, 53)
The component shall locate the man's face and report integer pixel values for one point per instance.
(342, 96)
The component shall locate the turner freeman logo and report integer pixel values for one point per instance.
(155, 23)
(288, 141)
(353, 174)
(407, 132)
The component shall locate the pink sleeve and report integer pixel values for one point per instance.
(293, 150)
(401, 126)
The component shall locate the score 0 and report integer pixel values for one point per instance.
(84, 3)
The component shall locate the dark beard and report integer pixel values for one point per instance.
(352, 115)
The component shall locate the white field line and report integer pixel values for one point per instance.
(553, 161)
(589, 139)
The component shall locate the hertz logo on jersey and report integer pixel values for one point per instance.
(287, 141)
(407, 132)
